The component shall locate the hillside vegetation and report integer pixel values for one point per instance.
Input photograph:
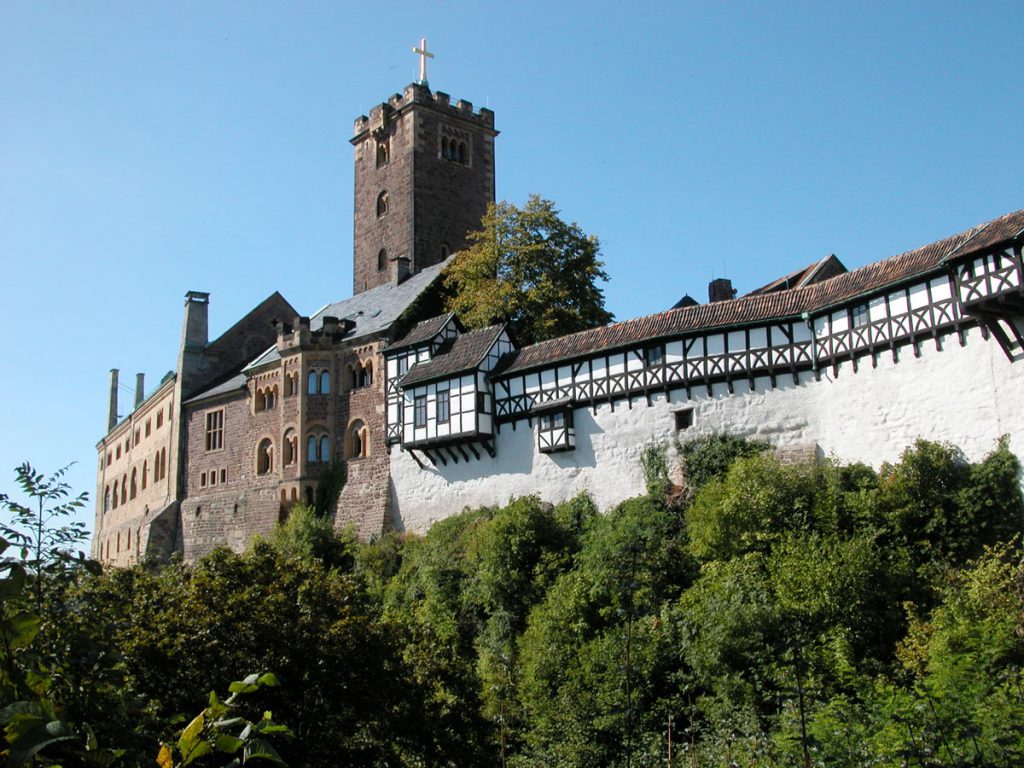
(776, 615)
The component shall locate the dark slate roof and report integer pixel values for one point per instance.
(421, 333)
(232, 384)
(372, 311)
(767, 306)
(465, 353)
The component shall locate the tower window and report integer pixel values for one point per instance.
(445, 250)
(382, 204)
(382, 260)
(358, 440)
(383, 152)
(264, 457)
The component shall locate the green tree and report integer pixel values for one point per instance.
(528, 267)
(45, 546)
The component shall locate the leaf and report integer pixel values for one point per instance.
(227, 743)
(189, 739)
(262, 750)
(165, 758)
(21, 629)
(268, 679)
(202, 748)
(28, 745)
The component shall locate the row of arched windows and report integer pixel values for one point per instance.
(124, 491)
(455, 150)
(105, 547)
(318, 447)
(128, 442)
(266, 398)
(360, 374)
(318, 383)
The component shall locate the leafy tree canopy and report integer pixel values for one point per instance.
(530, 268)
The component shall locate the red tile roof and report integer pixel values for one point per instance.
(768, 306)
(467, 351)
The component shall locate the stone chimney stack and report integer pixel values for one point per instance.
(194, 335)
(400, 270)
(721, 290)
(112, 412)
(140, 388)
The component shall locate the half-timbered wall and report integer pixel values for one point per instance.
(861, 382)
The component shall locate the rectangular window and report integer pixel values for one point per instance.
(860, 315)
(223, 475)
(481, 403)
(215, 430)
(202, 480)
(403, 365)
(443, 407)
(684, 419)
(654, 355)
(554, 420)
(420, 411)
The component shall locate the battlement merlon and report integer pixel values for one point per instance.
(421, 96)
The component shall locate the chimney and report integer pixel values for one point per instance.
(401, 269)
(140, 388)
(330, 326)
(112, 413)
(721, 290)
(194, 335)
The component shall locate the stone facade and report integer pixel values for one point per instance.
(424, 174)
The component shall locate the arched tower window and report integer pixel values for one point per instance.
(106, 499)
(382, 260)
(145, 473)
(312, 456)
(325, 382)
(325, 449)
(382, 203)
(265, 457)
(383, 152)
(311, 382)
(462, 152)
(445, 250)
(290, 446)
(358, 440)
(115, 496)
(124, 489)
(135, 484)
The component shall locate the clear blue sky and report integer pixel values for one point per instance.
(147, 149)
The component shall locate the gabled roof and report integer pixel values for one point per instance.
(372, 311)
(830, 266)
(761, 307)
(465, 353)
(422, 332)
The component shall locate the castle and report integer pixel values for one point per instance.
(427, 417)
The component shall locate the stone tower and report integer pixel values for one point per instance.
(424, 174)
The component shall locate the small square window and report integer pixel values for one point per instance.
(683, 419)
(654, 356)
(859, 315)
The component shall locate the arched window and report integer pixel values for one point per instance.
(366, 374)
(325, 449)
(271, 395)
(290, 446)
(358, 440)
(353, 375)
(462, 152)
(445, 250)
(382, 259)
(159, 419)
(382, 203)
(260, 402)
(265, 457)
(138, 539)
(145, 473)
(325, 382)
(311, 381)
(115, 497)
(124, 489)
(106, 499)
(135, 484)
(383, 152)
(312, 457)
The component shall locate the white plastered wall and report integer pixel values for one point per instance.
(968, 396)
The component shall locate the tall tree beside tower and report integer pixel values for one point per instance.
(528, 267)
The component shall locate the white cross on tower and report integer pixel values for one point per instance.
(424, 55)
